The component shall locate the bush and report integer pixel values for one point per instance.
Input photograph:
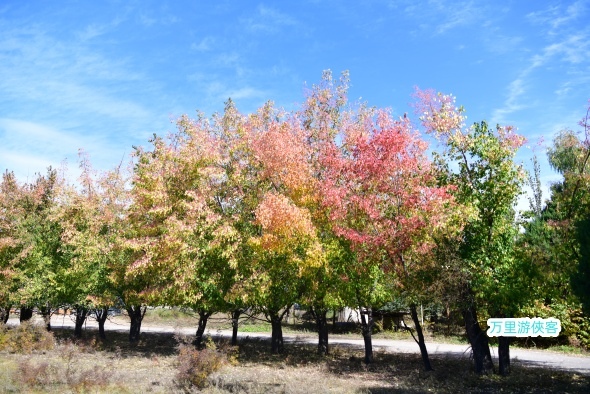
(195, 366)
(30, 374)
(25, 338)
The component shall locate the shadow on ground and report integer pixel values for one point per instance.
(396, 373)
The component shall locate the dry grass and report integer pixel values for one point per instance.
(151, 366)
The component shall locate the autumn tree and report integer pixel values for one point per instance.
(285, 242)
(92, 217)
(479, 162)
(320, 118)
(41, 263)
(11, 244)
(182, 240)
(383, 197)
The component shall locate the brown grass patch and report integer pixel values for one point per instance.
(150, 366)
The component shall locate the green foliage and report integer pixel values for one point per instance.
(581, 279)
(487, 183)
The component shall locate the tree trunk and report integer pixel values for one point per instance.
(504, 355)
(136, 314)
(4, 314)
(101, 318)
(46, 313)
(203, 317)
(322, 325)
(276, 341)
(478, 340)
(235, 320)
(367, 330)
(81, 314)
(420, 341)
(26, 314)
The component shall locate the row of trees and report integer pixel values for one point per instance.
(328, 206)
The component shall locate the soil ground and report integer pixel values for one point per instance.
(88, 365)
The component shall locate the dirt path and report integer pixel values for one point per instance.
(541, 358)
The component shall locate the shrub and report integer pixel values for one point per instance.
(30, 374)
(25, 338)
(194, 365)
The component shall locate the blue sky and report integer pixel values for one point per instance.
(106, 75)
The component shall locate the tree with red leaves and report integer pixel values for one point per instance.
(383, 197)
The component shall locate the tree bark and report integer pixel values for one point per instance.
(4, 314)
(46, 313)
(203, 317)
(420, 341)
(136, 314)
(101, 318)
(322, 326)
(26, 314)
(235, 320)
(367, 330)
(276, 341)
(81, 314)
(478, 340)
(504, 355)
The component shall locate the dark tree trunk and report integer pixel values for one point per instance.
(276, 340)
(235, 320)
(136, 314)
(504, 355)
(322, 325)
(4, 314)
(203, 317)
(81, 314)
(478, 340)
(367, 330)
(334, 318)
(26, 314)
(101, 318)
(420, 341)
(46, 313)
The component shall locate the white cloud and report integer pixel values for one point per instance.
(92, 31)
(516, 89)
(555, 17)
(460, 15)
(204, 45)
(565, 49)
(268, 20)
(441, 16)
(29, 148)
(244, 93)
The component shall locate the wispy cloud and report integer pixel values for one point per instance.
(218, 89)
(516, 89)
(572, 49)
(555, 17)
(268, 20)
(460, 15)
(30, 147)
(565, 49)
(441, 16)
(52, 80)
(206, 44)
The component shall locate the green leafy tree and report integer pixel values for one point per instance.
(92, 218)
(479, 162)
(11, 244)
(41, 265)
